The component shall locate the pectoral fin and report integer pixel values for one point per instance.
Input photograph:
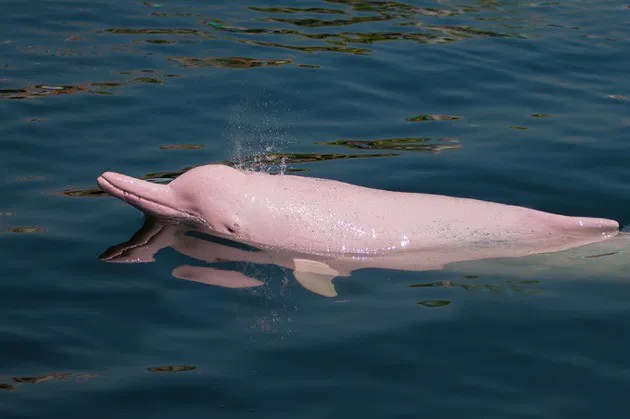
(315, 276)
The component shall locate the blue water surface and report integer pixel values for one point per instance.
(519, 102)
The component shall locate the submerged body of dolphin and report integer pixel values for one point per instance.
(324, 228)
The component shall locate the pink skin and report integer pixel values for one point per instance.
(331, 219)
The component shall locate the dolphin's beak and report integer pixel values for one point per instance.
(150, 198)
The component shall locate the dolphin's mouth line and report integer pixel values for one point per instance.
(124, 195)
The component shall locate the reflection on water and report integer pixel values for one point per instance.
(317, 273)
(434, 303)
(407, 144)
(40, 90)
(98, 87)
(16, 382)
(41, 379)
(296, 10)
(29, 229)
(181, 147)
(473, 284)
(433, 118)
(157, 31)
(172, 368)
(338, 26)
(54, 376)
(228, 62)
(399, 22)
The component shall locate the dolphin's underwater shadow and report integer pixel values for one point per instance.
(587, 260)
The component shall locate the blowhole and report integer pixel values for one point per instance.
(233, 228)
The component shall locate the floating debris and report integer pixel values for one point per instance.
(541, 115)
(518, 127)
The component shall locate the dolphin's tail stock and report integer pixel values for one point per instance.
(586, 224)
(599, 224)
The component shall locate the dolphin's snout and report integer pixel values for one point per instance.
(148, 197)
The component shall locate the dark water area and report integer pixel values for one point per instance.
(519, 102)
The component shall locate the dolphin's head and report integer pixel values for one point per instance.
(206, 196)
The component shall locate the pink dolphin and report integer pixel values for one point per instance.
(324, 228)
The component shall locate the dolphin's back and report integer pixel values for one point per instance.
(325, 216)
